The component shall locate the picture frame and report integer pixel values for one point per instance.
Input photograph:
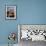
(10, 12)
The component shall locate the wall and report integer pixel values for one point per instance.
(28, 12)
(33, 12)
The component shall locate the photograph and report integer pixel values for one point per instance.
(10, 12)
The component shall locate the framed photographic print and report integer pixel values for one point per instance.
(10, 12)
